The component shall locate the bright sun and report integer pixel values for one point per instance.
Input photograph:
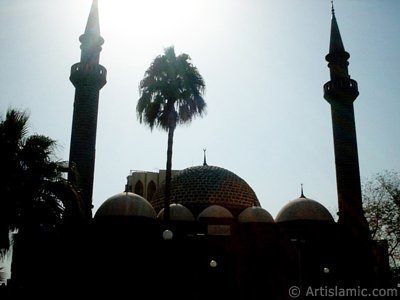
(146, 27)
(156, 17)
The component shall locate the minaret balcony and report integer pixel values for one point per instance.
(342, 90)
(88, 74)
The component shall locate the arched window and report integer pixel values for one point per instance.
(139, 188)
(151, 189)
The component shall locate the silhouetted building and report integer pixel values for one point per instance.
(220, 242)
(146, 183)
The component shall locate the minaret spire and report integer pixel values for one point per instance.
(341, 91)
(93, 24)
(336, 43)
(88, 77)
(91, 40)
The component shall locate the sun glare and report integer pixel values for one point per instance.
(158, 18)
(144, 28)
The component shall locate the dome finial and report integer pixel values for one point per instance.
(302, 193)
(205, 158)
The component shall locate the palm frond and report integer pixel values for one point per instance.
(15, 126)
(32, 183)
(172, 86)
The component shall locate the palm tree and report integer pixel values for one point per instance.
(36, 200)
(34, 192)
(171, 93)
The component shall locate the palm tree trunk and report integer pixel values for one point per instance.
(168, 175)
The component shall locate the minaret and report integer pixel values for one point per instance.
(340, 92)
(88, 77)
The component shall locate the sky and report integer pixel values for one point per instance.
(264, 68)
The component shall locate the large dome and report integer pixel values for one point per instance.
(303, 209)
(201, 186)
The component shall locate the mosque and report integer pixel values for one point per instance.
(218, 241)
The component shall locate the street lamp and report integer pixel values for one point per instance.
(167, 235)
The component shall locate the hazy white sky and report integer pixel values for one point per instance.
(264, 68)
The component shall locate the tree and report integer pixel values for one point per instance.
(381, 199)
(171, 93)
(34, 193)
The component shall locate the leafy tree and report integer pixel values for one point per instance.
(35, 196)
(171, 93)
(381, 198)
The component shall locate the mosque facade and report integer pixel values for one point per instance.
(218, 242)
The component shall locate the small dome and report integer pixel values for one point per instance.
(215, 211)
(255, 214)
(126, 204)
(303, 209)
(177, 212)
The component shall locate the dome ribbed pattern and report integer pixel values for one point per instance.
(201, 186)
